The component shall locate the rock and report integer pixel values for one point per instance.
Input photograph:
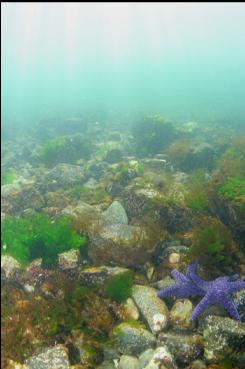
(99, 276)
(156, 163)
(180, 314)
(107, 364)
(115, 214)
(184, 347)
(16, 200)
(55, 358)
(131, 309)
(149, 270)
(114, 156)
(64, 176)
(232, 212)
(97, 169)
(154, 311)
(135, 203)
(175, 249)
(35, 275)
(132, 339)
(91, 184)
(69, 260)
(164, 283)
(10, 268)
(123, 245)
(154, 365)
(14, 365)
(56, 199)
(197, 364)
(188, 155)
(164, 358)
(176, 219)
(224, 337)
(128, 362)
(239, 299)
(87, 218)
(29, 288)
(174, 258)
(145, 358)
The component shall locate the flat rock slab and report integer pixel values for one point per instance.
(99, 276)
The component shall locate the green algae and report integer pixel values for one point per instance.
(8, 177)
(232, 188)
(198, 196)
(212, 246)
(37, 236)
(119, 287)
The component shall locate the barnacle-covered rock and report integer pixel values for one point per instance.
(132, 339)
(223, 337)
(153, 310)
(55, 358)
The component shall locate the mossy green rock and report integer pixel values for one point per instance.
(100, 276)
(132, 339)
(128, 362)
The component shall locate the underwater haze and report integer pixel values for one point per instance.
(123, 185)
(182, 59)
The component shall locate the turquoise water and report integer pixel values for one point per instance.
(123, 159)
(184, 60)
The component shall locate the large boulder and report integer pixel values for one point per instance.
(15, 198)
(184, 347)
(188, 155)
(123, 245)
(224, 337)
(86, 218)
(64, 176)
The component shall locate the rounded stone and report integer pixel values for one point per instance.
(154, 311)
(128, 362)
(180, 314)
(132, 339)
(174, 258)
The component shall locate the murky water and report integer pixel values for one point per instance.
(123, 185)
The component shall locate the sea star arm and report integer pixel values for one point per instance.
(236, 286)
(169, 291)
(192, 274)
(179, 277)
(230, 306)
(180, 290)
(203, 304)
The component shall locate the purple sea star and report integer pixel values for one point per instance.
(218, 291)
(184, 286)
